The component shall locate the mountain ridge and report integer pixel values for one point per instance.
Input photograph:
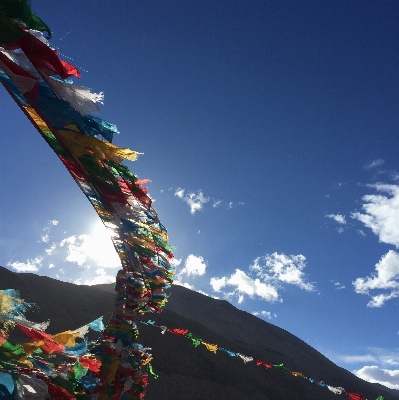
(186, 372)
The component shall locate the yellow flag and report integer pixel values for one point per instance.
(211, 347)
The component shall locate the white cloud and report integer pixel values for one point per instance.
(386, 278)
(94, 250)
(194, 265)
(97, 280)
(219, 283)
(184, 284)
(337, 218)
(376, 355)
(337, 185)
(52, 249)
(175, 262)
(381, 213)
(358, 359)
(338, 286)
(195, 201)
(375, 163)
(45, 237)
(245, 285)
(265, 277)
(283, 268)
(88, 248)
(266, 314)
(374, 374)
(180, 193)
(31, 265)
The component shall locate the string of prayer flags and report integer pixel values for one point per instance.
(214, 347)
(40, 83)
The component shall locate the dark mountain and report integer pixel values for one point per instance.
(186, 372)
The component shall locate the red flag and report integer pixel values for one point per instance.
(178, 331)
(43, 57)
(49, 346)
(17, 70)
(354, 396)
(90, 363)
(266, 365)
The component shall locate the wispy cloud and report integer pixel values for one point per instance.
(377, 355)
(337, 218)
(265, 277)
(374, 163)
(216, 203)
(354, 359)
(197, 200)
(386, 278)
(337, 285)
(337, 185)
(46, 230)
(381, 213)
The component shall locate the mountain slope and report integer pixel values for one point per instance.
(186, 372)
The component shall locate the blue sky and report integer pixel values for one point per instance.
(270, 133)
